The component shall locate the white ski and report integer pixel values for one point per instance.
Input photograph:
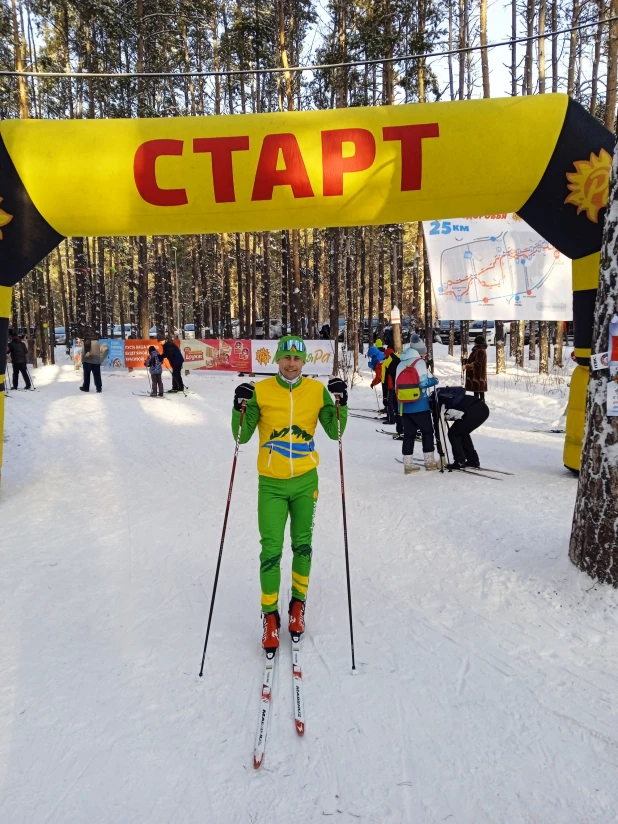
(297, 672)
(266, 700)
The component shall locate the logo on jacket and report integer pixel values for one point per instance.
(589, 185)
(5, 218)
(287, 448)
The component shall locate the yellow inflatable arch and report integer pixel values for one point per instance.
(543, 157)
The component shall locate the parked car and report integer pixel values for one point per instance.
(275, 328)
(189, 331)
(153, 332)
(476, 328)
(115, 330)
(60, 335)
(443, 328)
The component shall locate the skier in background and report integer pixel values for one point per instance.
(286, 410)
(411, 384)
(154, 364)
(18, 351)
(91, 363)
(175, 360)
(467, 414)
(476, 369)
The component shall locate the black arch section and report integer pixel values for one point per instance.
(28, 237)
(545, 210)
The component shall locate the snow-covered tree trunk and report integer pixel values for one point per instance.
(594, 537)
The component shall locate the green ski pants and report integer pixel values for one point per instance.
(276, 498)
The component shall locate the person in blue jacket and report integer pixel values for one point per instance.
(375, 357)
(416, 415)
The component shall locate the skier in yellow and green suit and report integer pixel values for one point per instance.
(286, 409)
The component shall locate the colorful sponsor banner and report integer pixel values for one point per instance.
(496, 268)
(136, 352)
(112, 353)
(320, 357)
(217, 355)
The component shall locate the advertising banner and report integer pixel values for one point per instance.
(112, 353)
(217, 355)
(319, 357)
(136, 352)
(496, 268)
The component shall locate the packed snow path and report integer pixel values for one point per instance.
(487, 664)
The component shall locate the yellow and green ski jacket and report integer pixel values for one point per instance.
(286, 416)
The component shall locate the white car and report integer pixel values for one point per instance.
(189, 331)
(476, 328)
(276, 330)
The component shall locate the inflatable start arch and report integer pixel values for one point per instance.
(543, 157)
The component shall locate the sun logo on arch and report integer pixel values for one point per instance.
(589, 185)
(5, 218)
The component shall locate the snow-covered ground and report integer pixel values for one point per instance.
(487, 663)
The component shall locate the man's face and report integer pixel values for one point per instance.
(291, 366)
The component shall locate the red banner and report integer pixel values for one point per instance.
(217, 355)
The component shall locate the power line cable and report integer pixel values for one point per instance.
(314, 67)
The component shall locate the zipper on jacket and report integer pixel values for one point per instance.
(291, 419)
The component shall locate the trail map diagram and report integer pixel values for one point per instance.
(496, 268)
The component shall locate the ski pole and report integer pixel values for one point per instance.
(227, 512)
(345, 533)
(436, 428)
(29, 377)
(442, 424)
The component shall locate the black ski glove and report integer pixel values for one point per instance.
(243, 393)
(336, 386)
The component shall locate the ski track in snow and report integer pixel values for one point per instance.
(487, 663)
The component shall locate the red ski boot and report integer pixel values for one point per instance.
(297, 617)
(270, 637)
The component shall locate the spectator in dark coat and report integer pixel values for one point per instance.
(18, 351)
(175, 360)
(476, 369)
(91, 364)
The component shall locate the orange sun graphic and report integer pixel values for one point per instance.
(262, 356)
(5, 218)
(589, 185)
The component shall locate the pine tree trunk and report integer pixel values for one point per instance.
(500, 349)
(227, 296)
(240, 286)
(285, 245)
(428, 309)
(249, 321)
(513, 48)
(521, 348)
(594, 545)
(612, 69)
(80, 283)
(104, 320)
(381, 242)
(371, 287)
(317, 265)
(559, 344)
(334, 241)
(51, 313)
(143, 324)
(572, 50)
(197, 280)
(451, 338)
(543, 347)
(266, 284)
(65, 306)
(532, 347)
(132, 291)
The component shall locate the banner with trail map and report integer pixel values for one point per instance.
(496, 267)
